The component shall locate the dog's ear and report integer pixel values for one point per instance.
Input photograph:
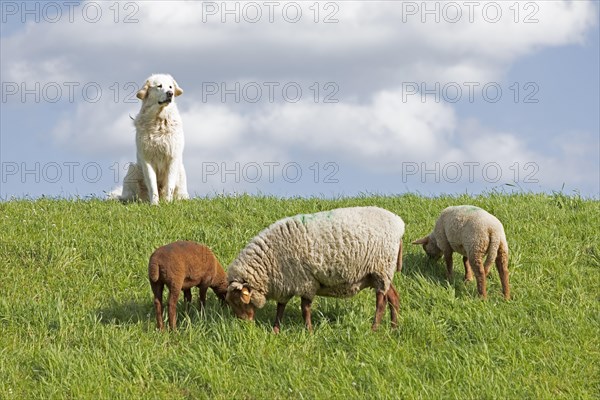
(178, 90)
(141, 94)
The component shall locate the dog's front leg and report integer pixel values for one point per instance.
(150, 179)
(172, 178)
(181, 186)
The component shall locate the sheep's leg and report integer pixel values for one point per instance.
(380, 300)
(394, 303)
(480, 276)
(502, 267)
(187, 299)
(448, 260)
(157, 289)
(305, 306)
(468, 270)
(278, 316)
(187, 296)
(488, 265)
(173, 297)
(399, 262)
(203, 289)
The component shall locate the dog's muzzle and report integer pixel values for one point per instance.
(168, 99)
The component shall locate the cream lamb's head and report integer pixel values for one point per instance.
(430, 246)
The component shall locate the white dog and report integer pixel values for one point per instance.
(159, 172)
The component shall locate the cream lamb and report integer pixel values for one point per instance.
(474, 233)
(333, 253)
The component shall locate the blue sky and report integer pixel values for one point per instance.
(361, 123)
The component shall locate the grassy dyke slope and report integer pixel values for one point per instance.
(76, 314)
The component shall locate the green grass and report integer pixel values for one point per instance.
(76, 315)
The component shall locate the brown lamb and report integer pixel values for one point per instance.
(181, 266)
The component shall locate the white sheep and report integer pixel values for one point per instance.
(333, 253)
(474, 233)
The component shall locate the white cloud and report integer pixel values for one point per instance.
(55, 69)
(376, 137)
(370, 38)
(212, 127)
(97, 129)
(377, 134)
(373, 49)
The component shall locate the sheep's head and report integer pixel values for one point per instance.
(243, 300)
(430, 246)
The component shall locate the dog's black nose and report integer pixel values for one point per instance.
(169, 93)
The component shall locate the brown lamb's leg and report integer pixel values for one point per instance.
(203, 289)
(157, 289)
(468, 270)
(380, 301)
(278, 316)
(394, 303)
(173, 297)
(305, 306)
(187, 296)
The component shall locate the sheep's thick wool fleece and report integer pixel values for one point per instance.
(469, 230)
(331, 253)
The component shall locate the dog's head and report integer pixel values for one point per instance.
(159, 89)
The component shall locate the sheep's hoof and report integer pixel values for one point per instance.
(276, 330)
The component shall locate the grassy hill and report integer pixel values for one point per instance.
(77, 321)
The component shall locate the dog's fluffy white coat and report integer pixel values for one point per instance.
(159, 172)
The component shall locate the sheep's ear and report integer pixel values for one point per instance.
(178, 90)
(424, 240)
(245, 295)
(141, 94)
